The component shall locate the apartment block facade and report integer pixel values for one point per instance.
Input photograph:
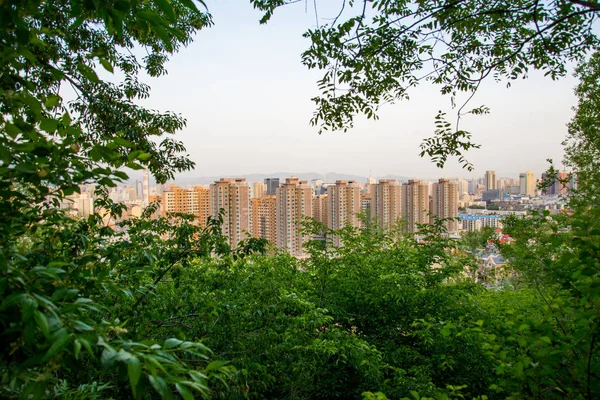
(294, 203)
(444, 202)
(233, 196)
(344, 205)
(264, 215)
(415, 204)
(386, 203)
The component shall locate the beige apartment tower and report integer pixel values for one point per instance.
(320, 209)
(527, 183)
(233, 196)
(344, 205)
(386, 203)
(179, 200)
(202, 210)
(444, 202)
(294, 203)
(146, 187)
(415, 204)
(263, 211)
(258, 190)
(490, 181)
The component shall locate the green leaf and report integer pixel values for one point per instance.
(61, 339)
(215, 365)
(159, 384)
(171, 343)
(28, 305)
(107, 65)
(88, 72)
(33, 103)
(123, 142)
(48, 124)
(52, 102)
(12, 130)
(76, 348)
(166, 8)
(42, 322)
(546, 339)
(82, 326)
(184, 392)
(190, 4)
(518, 368)
(134, 370)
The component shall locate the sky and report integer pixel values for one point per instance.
(246, 97)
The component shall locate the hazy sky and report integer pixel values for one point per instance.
(246, 97)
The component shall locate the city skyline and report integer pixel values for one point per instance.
(188, 179)
(274, 209)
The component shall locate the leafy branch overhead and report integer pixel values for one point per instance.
(374, 52)
(53, 48)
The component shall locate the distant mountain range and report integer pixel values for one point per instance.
(330, 177)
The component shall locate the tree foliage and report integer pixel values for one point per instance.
(582, 146)
(375, 52)
(70, 287)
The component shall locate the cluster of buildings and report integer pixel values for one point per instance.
(274, 209)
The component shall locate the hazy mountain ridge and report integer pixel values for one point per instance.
(330, 177)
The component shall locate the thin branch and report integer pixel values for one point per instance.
(588, 4)
(459, 113)
(339, 14)
(158, 279)
(537, 26)
(162, 323)
(434, 10)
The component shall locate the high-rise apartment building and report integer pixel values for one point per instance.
(294, 203)
(444, 201)
(365, 208)
(139, 190)
(233, 196)
(263, 211)
(202, 208)
(271, 185)
(177, 200)
(132, 193)
(415, 204)
(320, 209)
(463, 187)
(472, 185)
(386, 203)
(195, 201)
(490, 180)
(258, 190)
(527, 183)
(146, 187)
(344, 205)
(504, 185)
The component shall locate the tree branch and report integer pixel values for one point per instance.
(588, 4)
